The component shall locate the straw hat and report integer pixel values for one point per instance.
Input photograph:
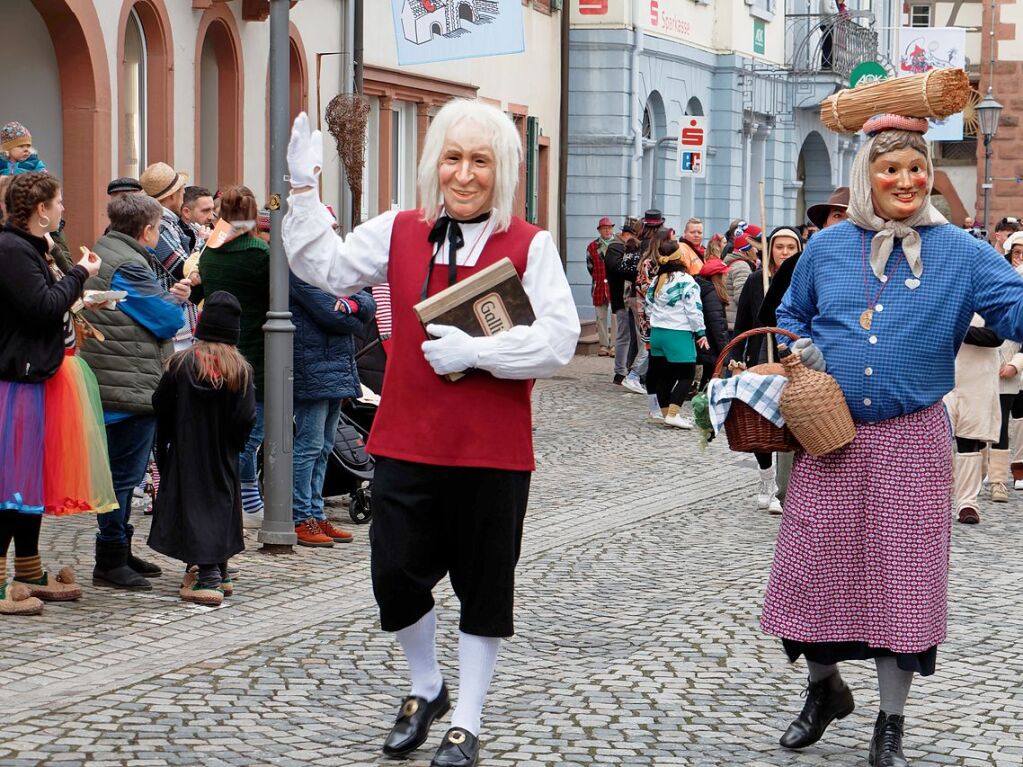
(160, 180)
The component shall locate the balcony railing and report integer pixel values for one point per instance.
(825, 44)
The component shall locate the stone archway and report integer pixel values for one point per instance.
(74, 27)
(814, 169)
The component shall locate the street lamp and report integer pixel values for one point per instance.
(988, 112)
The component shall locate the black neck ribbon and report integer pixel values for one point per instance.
(450, 229)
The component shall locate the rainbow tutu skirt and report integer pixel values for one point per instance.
(53, 445)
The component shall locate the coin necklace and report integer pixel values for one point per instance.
(867, 317)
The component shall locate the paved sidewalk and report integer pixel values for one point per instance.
(637, 634)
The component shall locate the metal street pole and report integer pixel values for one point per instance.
(987, 180)
(278, 533)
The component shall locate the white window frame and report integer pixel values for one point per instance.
(914, 8)
(142, 92)
(403, 155)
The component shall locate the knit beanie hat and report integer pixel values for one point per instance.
(14, 134)
(221, 319)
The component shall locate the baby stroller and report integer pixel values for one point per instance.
(349, 466)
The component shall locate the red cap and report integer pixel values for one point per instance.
(605, 221)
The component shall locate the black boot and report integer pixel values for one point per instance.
(826, 700)
(112, 568)
(886, 745)
(141, 566)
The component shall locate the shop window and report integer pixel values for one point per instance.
(134, 98)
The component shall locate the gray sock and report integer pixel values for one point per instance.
(893, 684)
(819, 671)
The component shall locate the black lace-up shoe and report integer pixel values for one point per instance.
(826, 700)
(886, 745)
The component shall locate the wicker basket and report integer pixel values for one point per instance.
(815, 409)
(747, 430)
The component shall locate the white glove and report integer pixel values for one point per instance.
(809, 354)
(305, 153)
(453, 351)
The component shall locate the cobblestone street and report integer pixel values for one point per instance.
(640, 586)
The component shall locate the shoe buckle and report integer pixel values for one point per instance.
(411, 706)
(456, 737)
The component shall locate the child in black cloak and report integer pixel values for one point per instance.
(205, 408)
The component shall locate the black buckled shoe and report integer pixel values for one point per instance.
(826, 700)
(412, 727)
(460, 748)
(886, 745)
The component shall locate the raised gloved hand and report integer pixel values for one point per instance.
(452, 351)
(809, 354)
(305, 153)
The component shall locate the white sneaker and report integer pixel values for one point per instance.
(632, 383)
(774, 505)
(657, 416)
(253, 520)
(1018, 484)
(767, 489)
(679, 421)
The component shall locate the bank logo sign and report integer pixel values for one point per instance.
(692, 147)
(442, 30)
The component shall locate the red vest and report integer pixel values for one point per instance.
(478, 421)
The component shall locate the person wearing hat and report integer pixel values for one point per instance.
(205, 406)
(167, 186)
(16, 154)
(124, 185)
(883, 302)
(128, 365)
(621, 257)
(599, 291)
(825, 214)
(448, 498)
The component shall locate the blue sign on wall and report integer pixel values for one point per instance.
(441, 30)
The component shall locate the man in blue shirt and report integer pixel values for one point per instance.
(861, 564)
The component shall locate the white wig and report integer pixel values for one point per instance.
(504, 141)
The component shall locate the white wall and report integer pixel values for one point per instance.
(532, 77)
(30, 81)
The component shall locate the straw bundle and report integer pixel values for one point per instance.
(938, 93)
(347, 116)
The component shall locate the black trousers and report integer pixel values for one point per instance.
(670, 381)
(432, 521)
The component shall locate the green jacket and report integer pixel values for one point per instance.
(242, 268)
(129, 363)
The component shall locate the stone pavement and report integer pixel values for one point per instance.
(640, 584)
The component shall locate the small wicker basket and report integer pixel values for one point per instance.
(746, 429)
(815, 409)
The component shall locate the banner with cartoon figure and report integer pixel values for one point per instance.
(441, 30)
(922, 49)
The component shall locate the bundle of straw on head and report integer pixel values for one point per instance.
(935, 94)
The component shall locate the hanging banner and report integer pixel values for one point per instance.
(922, 49)
(692, 147)
(442, 30)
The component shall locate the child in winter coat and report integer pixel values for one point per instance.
(16, 155)
(205, 408)
(676, 319)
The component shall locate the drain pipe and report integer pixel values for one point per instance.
(636, 115)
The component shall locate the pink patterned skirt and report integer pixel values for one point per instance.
(863, 550)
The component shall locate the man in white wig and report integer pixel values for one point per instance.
(454, 459)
